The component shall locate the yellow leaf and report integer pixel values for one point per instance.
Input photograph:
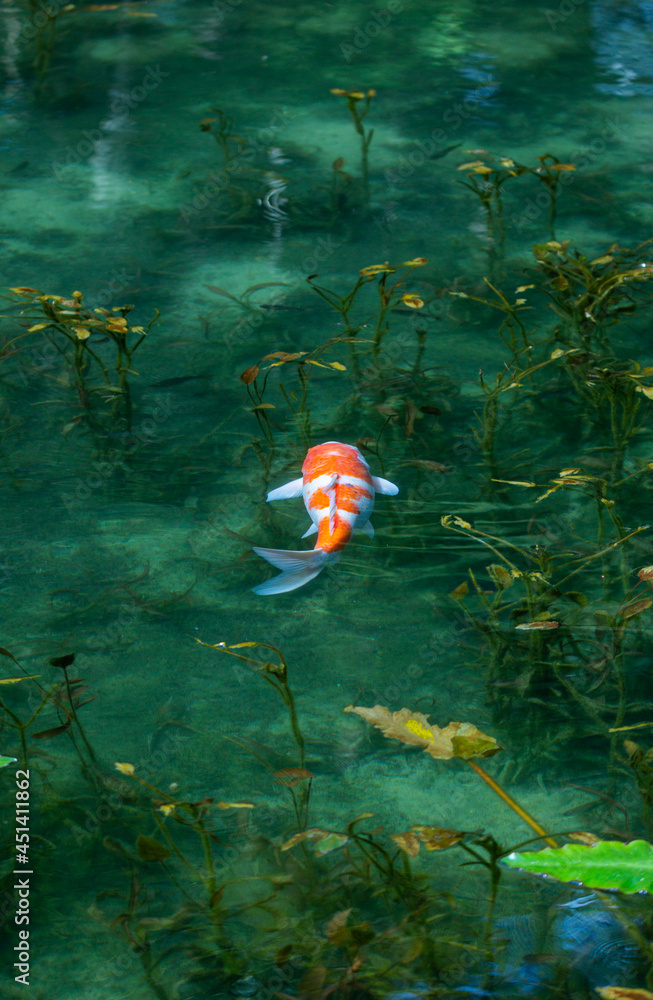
(337, 366)
(412, 301)
(15, 680)
(558, 353)
(408, 842)
(125, 768)
(235, 805)
(514, 482)
(461, 591)
(39, 326)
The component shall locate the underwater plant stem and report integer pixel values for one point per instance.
(88, 746)
(534, 825)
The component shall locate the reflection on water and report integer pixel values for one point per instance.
(191, 159)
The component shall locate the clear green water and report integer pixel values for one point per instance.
(125, 545)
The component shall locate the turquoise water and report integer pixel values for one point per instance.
(128, 530)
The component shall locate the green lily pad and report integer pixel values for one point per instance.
(610, 864)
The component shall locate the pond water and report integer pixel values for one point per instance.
(192, 193)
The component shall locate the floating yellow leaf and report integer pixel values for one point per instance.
(416, 262)
(338, 367)
(125, 768)
(537, 626)
(235, 805)
(415, 729)
(412, 301)
(15, 680)
(38, 326)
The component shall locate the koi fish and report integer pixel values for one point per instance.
(338, 492)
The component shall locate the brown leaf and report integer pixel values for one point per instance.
(583, 837)
(250, 374)
(460, 591)
(46, 734)
(437, 838)
(291, 776)
(411, 413)
(339, 163)
(5, 652)
(408, 842)
(634, 609)
(645, 573)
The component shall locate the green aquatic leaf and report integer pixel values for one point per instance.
(610, 864)
(6, 761)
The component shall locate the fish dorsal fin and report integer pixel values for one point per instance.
(293, 489)
(384, 486)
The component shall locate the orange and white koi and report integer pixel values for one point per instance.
(338, 492)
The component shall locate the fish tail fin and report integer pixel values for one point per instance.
(297, 568)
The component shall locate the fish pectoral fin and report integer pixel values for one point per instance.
(310, 531)
(384, 486)
(367, 529)
(293, 489)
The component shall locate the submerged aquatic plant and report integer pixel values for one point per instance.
(76, 333)
(358, 114)
(459, 739)
(537, 626)
(276, 674)
(389, 297)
